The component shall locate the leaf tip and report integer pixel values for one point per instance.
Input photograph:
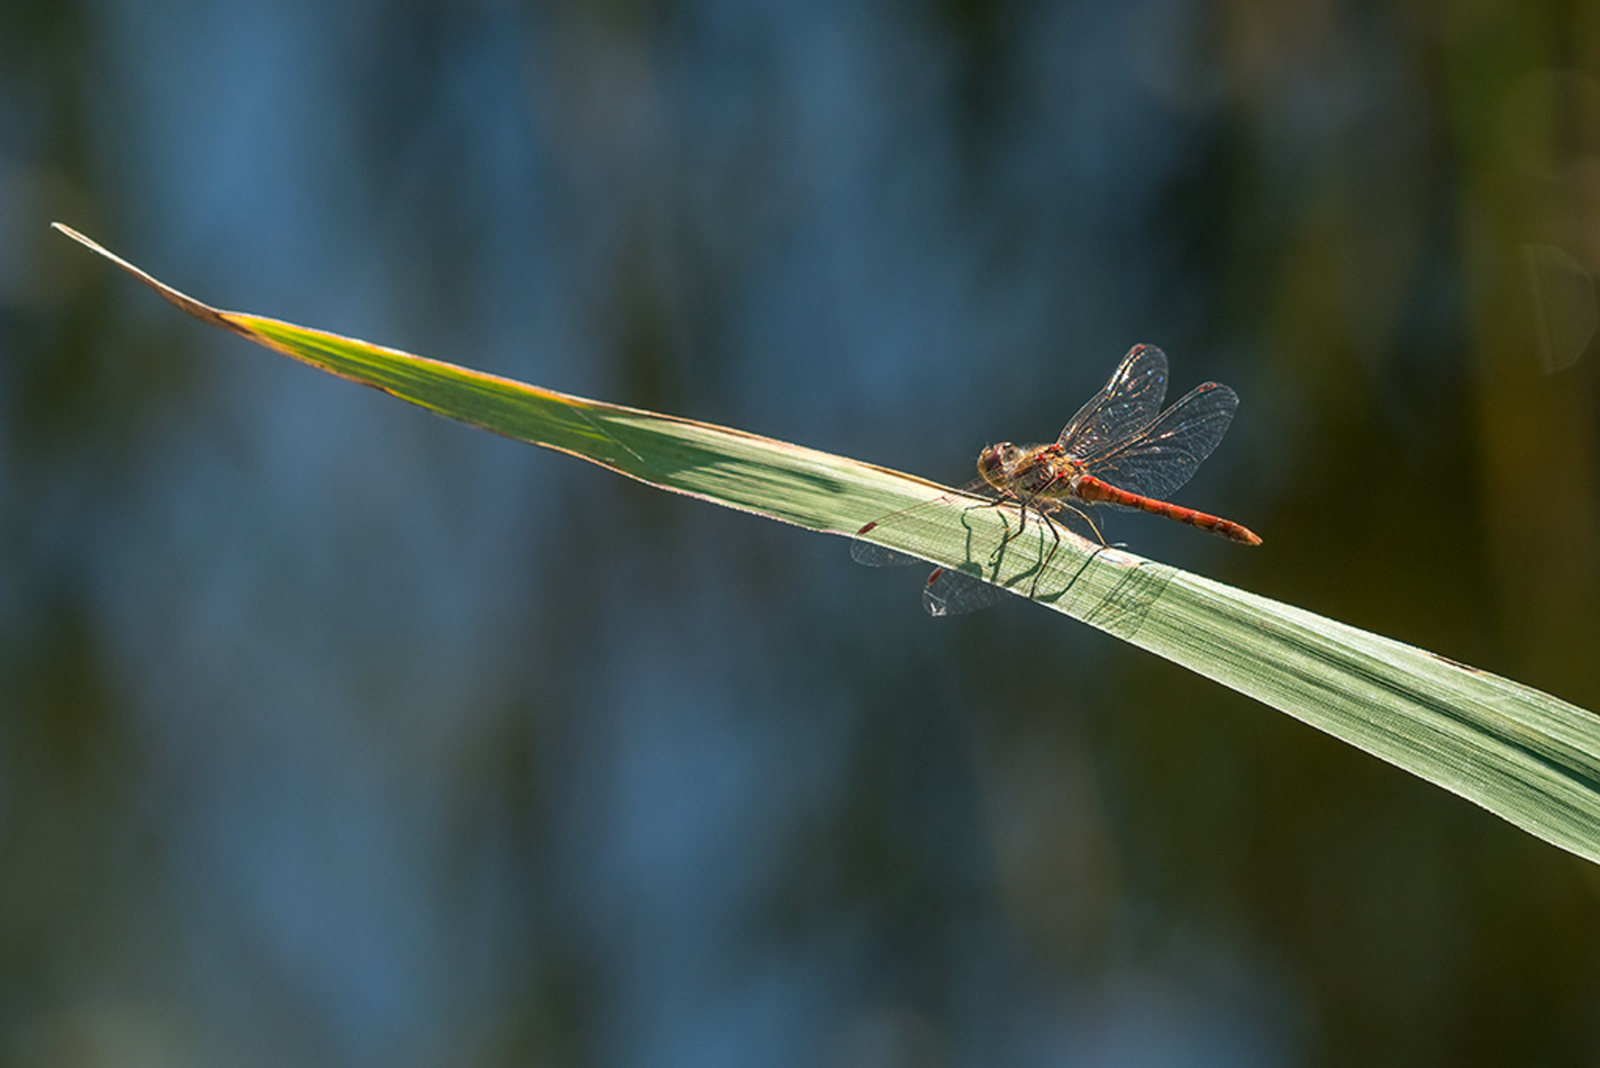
(199, 309)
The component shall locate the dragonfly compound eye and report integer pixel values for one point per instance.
(992, 462)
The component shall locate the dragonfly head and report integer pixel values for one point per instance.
(995, 463)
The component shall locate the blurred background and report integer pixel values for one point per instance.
(333, 733)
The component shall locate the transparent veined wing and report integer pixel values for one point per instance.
(954, 593)
(947, 592)
(914, 521)
(1128, 402)
(1159, 459)
(950, 591)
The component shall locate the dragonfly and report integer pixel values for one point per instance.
(1121, 450)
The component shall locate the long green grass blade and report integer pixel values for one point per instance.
(1522, 754)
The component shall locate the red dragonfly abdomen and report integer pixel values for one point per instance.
(1092, 489)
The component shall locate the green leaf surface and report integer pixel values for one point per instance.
(1522, 754)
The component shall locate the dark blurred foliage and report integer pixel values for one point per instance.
(332, 733)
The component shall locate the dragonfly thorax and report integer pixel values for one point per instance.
(1029, 473)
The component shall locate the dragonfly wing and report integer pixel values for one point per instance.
(865, 552)
(954, 593)
(1162, 457)
(1130, 401)
(916, 521)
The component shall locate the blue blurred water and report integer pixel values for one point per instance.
(343, 735)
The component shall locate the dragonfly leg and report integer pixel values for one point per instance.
(1022, 524)
(1010, 535)
(1094, 528)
